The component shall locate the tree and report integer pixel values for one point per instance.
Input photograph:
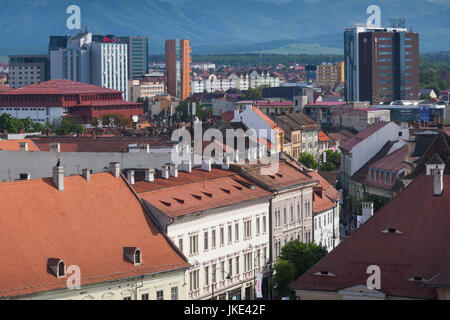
(66, 126)
(308, 160)
(302, 256)
(15, 125)
(284, 275)
(333, 159)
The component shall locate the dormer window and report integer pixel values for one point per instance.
(133, 255)
(417, 279)
(325, 273)
(57, 267)
(391, 231)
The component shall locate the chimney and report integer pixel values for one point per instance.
(438, 182)
(186, 166)
(165, 172)
(206, 165)
(55, 147)
(58, 176)
(367, 211)
(226, 162)
(173, 170)
(87, 174)
(149, 175)
(23, 146)
(236, 115)
(145, 148)
(130, 176)
(236, 156)
(114, 168)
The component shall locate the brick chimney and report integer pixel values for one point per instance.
(435, 167)
(114, 168)
(58, 176)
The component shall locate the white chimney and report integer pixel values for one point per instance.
(87, 174)
(186, 166)
(226, 162)
(145, 148)
(206, 165)
(236, 116)
(438, 182)
(165, 171)
(130, 176)
(23, 146)
(236, 156)
(149, 175)
(114, 168)
(58, 176)
(173, 170)
(55, 147)
(367, 211)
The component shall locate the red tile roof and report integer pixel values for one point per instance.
(4, 88)
(323, 136)
(185, 198)
(14, 145)
(353, 141)
(88, 224)
(228, 116)
(418, 251)
(88, 144)
(60, 86)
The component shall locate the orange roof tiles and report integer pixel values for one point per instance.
(88, 224)
(186, 198)
(323, 136)
(14, 145)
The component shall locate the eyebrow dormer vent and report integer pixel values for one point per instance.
(57, 267)
(133, 255)
(392, 231)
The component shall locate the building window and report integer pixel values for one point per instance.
(213, 239)
(160, 295)
(247, 229)
(144, 296)
(222, 236)
(237, 265)
(193, 244)
(194, 280)
(236, 232)
(205, 238)
(206, 276)
(127, 298)
(248, 262)
(292, 213)
(174, 293)
(213, 273)
(230, 267)
(264, 224)
(257, 226)
(230, 234)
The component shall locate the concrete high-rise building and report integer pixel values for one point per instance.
(57, 42)
(328, 74)
(28, 69)
(381, 64)
(137, 56)
(102, 63)
(178, 68)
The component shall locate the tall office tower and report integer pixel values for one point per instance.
(381, 64)
(57, 42)
(74, 61)
(99, 63)
(28, 69)
(109, 66)
(178, 68)
(137, 56)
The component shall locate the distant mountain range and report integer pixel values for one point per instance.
(225, 26)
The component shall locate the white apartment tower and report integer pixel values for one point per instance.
(101, 64)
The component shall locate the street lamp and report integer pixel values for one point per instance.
(214, 280)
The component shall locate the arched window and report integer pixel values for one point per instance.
(137, 257)
(61, 269)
